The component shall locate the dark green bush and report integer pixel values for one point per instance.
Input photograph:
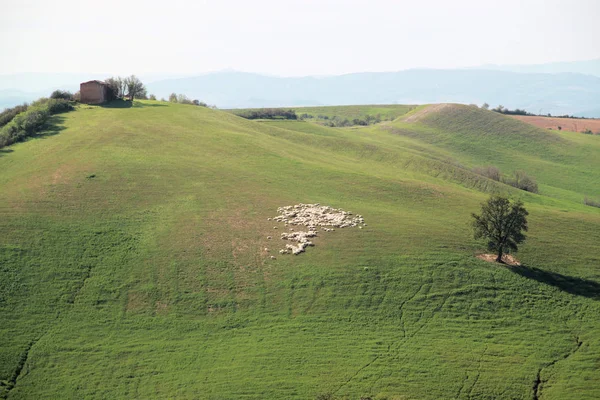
(62, 94)
(33, 120)
(591, 202)
(57, 106)
(8, 114)
(489, 171)
(522, 181)
(269, 113)
(199, 103)
(340, 122)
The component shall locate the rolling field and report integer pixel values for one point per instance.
(133, 262)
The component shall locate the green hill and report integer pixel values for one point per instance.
(133, 262)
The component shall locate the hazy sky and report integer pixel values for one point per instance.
(289, 38)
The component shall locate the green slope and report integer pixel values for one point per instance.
(132, 260)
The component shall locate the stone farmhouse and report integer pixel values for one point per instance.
(95, 92)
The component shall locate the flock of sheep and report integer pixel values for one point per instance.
(314, 217)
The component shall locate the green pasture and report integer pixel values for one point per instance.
(133, 262)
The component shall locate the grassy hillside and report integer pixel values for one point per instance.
(133, 262)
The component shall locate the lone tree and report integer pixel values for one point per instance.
(135, 87)
(502, 223)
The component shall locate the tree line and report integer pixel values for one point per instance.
(183, 99)
(517, 111)
(339, 122)
(268, 113)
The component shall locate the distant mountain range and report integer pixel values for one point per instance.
(564, 93)
(588, 67)
(538, 89)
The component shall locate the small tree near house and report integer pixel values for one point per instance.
(502, 224)
(135, 87)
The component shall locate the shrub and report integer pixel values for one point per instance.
(53, 106)
(7, 115)
(62, 94)
(373, 119)
(489, 171)
(522, 181)
(183, 99)
(31, 121)
(588, 132)
(152, 97)
(57, 106)
(173, 97)
(23, 125)
(340, 122)
(269, 113)
(591, 202)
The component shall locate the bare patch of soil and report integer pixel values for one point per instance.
(506, 259)
(566, 124)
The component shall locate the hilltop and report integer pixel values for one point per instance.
(135, 259)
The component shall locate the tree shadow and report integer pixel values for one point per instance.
(3, 152)
(121, 103)
(570, 284)
(53, 127)
(137, 104)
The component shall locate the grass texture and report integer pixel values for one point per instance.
(133, 262)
